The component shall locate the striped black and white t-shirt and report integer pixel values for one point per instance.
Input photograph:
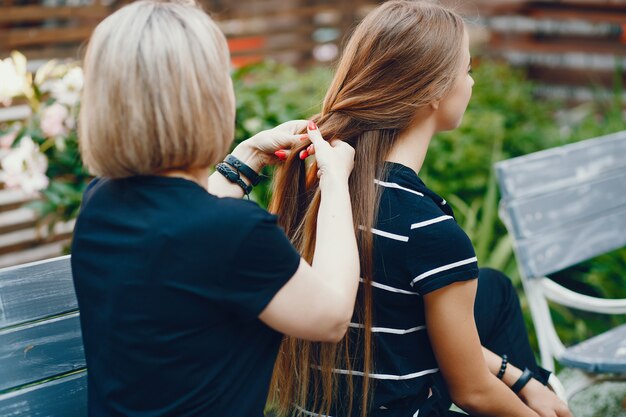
(418, 248)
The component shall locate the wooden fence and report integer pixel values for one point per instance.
(293, 31)
(568, 46)
(565, 45)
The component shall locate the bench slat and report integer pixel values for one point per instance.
(603, 353)
(564, 208)
(556, 168)
(547, 253)
(40, 350)
(37, 290)
(66, 397)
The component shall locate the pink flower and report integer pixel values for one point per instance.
(7, 140)
(53, 120)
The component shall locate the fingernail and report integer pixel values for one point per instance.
(312, 125)
(282, 155)
(309, 149)
(304, 136)
(304, 155)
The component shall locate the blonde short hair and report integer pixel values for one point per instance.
(157, 93)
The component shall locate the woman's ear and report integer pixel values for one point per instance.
(434, 105)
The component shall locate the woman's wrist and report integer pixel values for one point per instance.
(531, 388)
(249, 155)
(331, 182)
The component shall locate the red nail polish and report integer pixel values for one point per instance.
(281, 155)
(312, 125)
(304, 155)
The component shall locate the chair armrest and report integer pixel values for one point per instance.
(569, 298)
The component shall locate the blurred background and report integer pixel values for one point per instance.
(547, 73)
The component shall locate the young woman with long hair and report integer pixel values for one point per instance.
(413, 344)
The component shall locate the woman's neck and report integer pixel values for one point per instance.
(199, 175)
(412, 145)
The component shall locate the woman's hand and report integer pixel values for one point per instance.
(335, 160)
(271, 146)
(543, 401)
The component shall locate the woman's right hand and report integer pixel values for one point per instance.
(335, 160)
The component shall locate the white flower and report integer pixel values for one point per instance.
(67, 90)
(53, 120)
(12, 82)
(253, 124)
(25, 167)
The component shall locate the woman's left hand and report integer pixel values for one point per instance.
(543, 401)
(271, 146)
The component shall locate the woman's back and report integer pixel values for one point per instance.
(418, 248)
(172, 302)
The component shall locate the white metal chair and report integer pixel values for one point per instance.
(563, 206)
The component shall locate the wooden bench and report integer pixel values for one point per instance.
(42, 362)
(563, 206)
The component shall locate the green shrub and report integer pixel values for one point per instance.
(504, 119)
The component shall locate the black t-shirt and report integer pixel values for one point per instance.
(418, 248)
(170, 280)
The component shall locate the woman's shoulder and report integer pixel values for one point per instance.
(241, 208)
(238, 214)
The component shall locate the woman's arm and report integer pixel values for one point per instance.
(318, 301)
(452, 331)
(257, 152)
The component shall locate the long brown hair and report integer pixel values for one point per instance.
(403, 56)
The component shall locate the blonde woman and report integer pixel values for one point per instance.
(185, 296)
(424, 305)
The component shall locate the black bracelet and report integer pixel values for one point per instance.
(233, 176)
(244, 169)
(522, 381)
(505, 361)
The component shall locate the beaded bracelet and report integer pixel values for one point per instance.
(505, 361)
(234, 177)
(244, 169)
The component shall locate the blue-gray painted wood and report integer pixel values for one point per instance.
(40, 350)
(66, 397)
(547, 253)
(560, 167)
(565, 205)
(32, 291)
(566, 208)
(603, 353)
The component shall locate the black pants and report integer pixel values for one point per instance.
(500, 326)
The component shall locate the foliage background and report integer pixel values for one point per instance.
(504, 119)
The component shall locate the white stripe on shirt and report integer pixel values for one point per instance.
(388, 329)
(386, 234)
(390, 289)
(443, 268)
(397, 186)
(429, 222)
(383, 376)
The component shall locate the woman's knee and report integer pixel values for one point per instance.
(496, 281)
